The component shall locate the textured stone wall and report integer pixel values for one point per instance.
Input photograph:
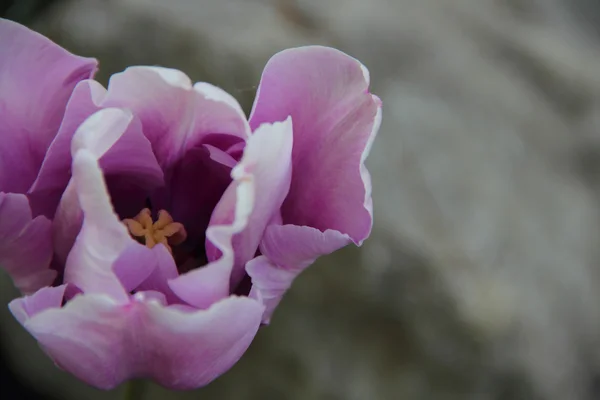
(482, 278)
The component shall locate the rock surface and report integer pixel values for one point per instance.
(482, 278)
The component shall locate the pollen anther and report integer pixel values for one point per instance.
(164, 230)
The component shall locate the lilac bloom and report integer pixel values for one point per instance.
(177, 224)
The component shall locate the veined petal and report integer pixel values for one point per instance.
(105, 343)
(25, 244)
(37, 78)
(267, 164)
(335, 121)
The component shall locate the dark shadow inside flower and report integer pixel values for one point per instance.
(178, 214)
(194, 187)
(244, 287)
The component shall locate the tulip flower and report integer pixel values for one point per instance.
(174, 224)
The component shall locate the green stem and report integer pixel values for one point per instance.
(135, 390)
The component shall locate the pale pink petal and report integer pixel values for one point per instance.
(125, 155)
(296, 247)
(105, 343)
(269, 283)
(25, 244)
(335, 121)
(29, 306)
(37, 78)
(214, 93)
(114, 137)
(102, 238)
(288, 250)
(266, 163)
(175, 115)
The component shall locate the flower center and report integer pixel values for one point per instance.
(164, 230)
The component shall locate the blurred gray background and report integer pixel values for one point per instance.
(481, 279)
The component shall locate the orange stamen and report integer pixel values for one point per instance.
(164, 230)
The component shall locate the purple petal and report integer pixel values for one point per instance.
(25, 244)
(55, 172)
(131, 169)
(45, 298)
(266, 163)
(288, 250)
(269, 283)
(335, 121)
(165, 271)
(142, 269)
(296, 247)
(66, 224)
(175, 115)
(104, 343)
(37, 78)
(204, 286)
(114, 136)
(134, 265)
(102, 238)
